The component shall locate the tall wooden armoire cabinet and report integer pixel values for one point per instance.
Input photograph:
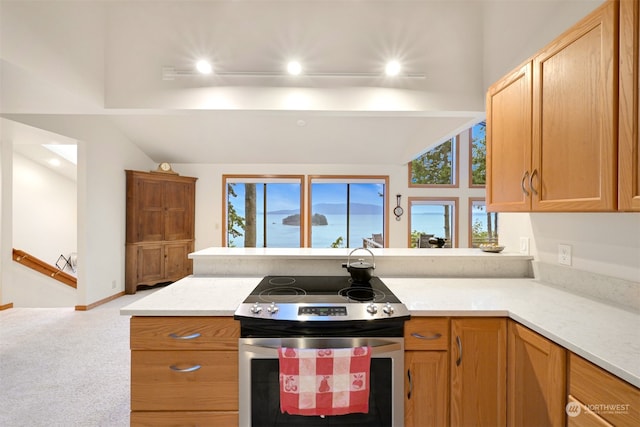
(160, 228)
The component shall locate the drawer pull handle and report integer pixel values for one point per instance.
(189, 369)
(185, 337)
(423, 337)
(459, 342)
(410, 384)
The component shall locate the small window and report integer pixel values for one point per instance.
(478, 147)
(437, 167)
(263, 211)
(433, 218)
(484, 225)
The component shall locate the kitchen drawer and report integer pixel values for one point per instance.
(157, 384)
(191, 418)
(611, 398)
(426, 333)
(184, 333)
(584, 418)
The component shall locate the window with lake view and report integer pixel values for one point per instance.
(263, 212)
(345, 211)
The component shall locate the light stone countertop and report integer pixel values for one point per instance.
(606, 335)
(342, 253)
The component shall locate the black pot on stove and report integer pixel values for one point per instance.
(360, 270)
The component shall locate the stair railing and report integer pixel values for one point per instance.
(40, 266)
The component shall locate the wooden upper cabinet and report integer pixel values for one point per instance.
(149, 204)
(179, 218)
(160, 207)
(552, 124)
(629, 115)
(509, 142)
(575, 115)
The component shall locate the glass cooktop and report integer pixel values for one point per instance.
(325, 289)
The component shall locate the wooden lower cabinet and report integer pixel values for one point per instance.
(184, 380)
(426, 402)
(580, 416)
(478, 363)
(184, 371)
(536, 378)
(184, 418)
(603, 397)
(158, 262)
(427, 372)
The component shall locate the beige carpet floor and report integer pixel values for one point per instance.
(61, 367)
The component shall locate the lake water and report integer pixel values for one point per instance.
(287, 236)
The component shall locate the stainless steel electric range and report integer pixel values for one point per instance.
(320, 312)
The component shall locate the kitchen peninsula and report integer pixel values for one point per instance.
(396, 262)
(596, 332)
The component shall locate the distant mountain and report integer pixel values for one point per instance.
(341, 208)
(334, 209)
(285, 212)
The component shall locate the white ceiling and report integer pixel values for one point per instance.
(71, 59)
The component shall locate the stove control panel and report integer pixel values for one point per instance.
(322, 311)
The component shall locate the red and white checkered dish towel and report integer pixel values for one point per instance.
(324, 381)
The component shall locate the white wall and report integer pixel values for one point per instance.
(602, 243)
(6, 167)
(44, 211)
(103, 156)
(545, 20)
(209, 193)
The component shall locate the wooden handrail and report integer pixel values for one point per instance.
(42, 267)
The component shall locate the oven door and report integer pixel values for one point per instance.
(260, 387)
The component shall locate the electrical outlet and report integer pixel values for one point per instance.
(524, 245)
(564, 254)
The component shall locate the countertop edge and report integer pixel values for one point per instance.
(515, 299)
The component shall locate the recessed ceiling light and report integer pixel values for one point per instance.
(204, 67)
(294, 68)
(392, 68)
(54, 162)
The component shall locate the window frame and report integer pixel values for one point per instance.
(455, 158)
(261, 178)
(455, 201)
(349, 179)
(470, 164)
(471, 200)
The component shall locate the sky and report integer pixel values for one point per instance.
(286, 196)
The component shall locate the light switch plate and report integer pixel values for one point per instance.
(564, 254)
(524, 245)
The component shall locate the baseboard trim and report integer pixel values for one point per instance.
(6, 306)
(97, 303)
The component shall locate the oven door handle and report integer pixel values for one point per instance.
(270, 350)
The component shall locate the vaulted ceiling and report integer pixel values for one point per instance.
(104, 59)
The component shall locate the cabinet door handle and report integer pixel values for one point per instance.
(185, 337)
(410, 384)
(189, 369)
(533, 189)
(459, 342)
(423, 337)
(522, 183)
